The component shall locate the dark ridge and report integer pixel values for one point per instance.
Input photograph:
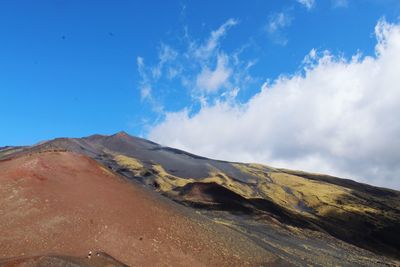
(377, 232)
(179, 152)
(182, 152)
(123, 134)
(118, 135)
(70, 144)
(353, 228)
(356, 229)
(94, 137)
(216, 197)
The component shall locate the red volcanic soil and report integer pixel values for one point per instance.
(96, 260)
(62, 203)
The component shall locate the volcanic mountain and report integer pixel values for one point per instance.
(142, 204)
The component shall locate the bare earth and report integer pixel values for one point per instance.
(66, 203)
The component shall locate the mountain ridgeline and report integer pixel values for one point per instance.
(302, 218)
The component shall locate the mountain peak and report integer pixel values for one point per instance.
(122, 134)
(253, 198)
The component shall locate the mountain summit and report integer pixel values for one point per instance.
(146, 204)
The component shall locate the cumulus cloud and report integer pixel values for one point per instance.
(309, 4)
(337, 116)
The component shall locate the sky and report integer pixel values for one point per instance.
(302, 84)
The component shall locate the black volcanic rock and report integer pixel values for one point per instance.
(279, 209)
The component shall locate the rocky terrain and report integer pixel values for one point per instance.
(149, 205)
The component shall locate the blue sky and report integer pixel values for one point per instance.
(75, 68)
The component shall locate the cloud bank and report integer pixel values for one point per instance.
(338, 116)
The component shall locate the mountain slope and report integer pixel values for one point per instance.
(303, 218)
(66, 203)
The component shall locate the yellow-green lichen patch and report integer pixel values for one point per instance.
(323, 197)
(240, 188)
(130, 163)
(301, 195)
(257, 172)
(296, 193)
(166, 181)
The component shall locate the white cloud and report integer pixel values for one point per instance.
(309, 4)
(205, 51)
(145, 92)
(339, 116)
(166, 54)
(144, 87)
(140, 64)
(276, 23)
(202, 68)
(212, 80)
